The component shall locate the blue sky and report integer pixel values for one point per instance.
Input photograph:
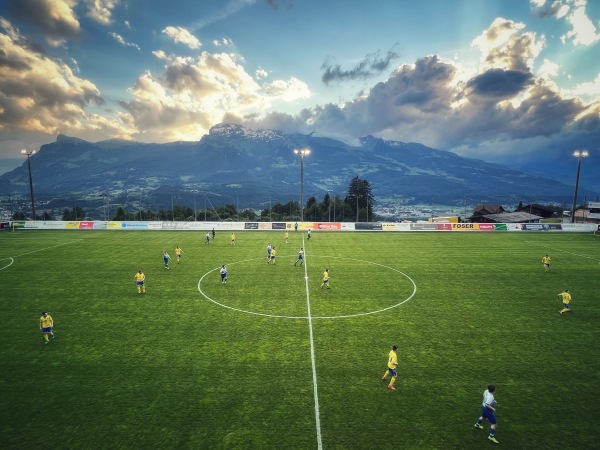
(490, 79)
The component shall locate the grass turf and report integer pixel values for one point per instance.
(173, 369)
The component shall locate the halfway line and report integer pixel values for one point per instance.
(312, 353)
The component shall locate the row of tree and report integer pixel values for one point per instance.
(357, 206)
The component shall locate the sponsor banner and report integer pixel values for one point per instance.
(367, 226)
(388, 226)
(444, 226)
(100, 225)
(32, 224)
(465, 226)
(175, 225)
(72, 225)
(533, 227)
(116, 225)
(18, 224)
(328, 226)
(554, 226)
(251, 226)
(500, 227)
(4, 225)
(51, 225)
(264, 226)
(486, 227)
(278, 225)
(348, 226)
(86, 225)
(423, 226)
(572, 227)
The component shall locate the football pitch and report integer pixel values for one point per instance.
(272, 361)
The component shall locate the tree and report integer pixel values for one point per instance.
(76, 213)
(360, 199)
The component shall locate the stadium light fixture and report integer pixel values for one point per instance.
(302, 153)
(32, 152)
(579, 154)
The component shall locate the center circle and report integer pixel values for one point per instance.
(281, 316)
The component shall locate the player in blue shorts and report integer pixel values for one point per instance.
(300, 257)
(488, 411)
(223, 272)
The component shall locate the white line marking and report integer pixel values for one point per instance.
(47, 248)
(368, 313)
(11, 263)
(312, 353)
(563, 251)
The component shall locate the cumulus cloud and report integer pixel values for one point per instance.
(442, 105)
(101, 10)
(369, 67)
(43, 95)
(194, 93)
(582, 32)
(503, 45)
(261, 73)
(183, 36)
(56, 18)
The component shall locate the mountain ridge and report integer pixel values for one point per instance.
(235, 164)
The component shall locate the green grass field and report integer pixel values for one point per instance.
(271, 361)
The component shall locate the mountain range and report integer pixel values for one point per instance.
(251, 168)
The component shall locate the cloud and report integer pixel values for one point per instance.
(223, 41)
(369, 67)
(122, 41)
(101, 10)
(485, 114)
(582, 32)
(230, 8)
(261, 73)
(552, 9)
(56, 18)
(504, 45)
(42, 94)
(194, 93)
(179, 34)
(500, 84)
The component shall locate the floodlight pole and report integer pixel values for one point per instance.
(302, 153)
(25, 152)
(579, 154)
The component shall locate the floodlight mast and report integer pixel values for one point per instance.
(302, 152)
(579, 154)
(29, 153)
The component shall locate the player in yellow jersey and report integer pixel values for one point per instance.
(232, 238)
(46, 325)
(140, 280)
(178, 253)
(566, 299)
(273, 256)
(392, 369)
(286, 237)
(325, 279)
(546, 261)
